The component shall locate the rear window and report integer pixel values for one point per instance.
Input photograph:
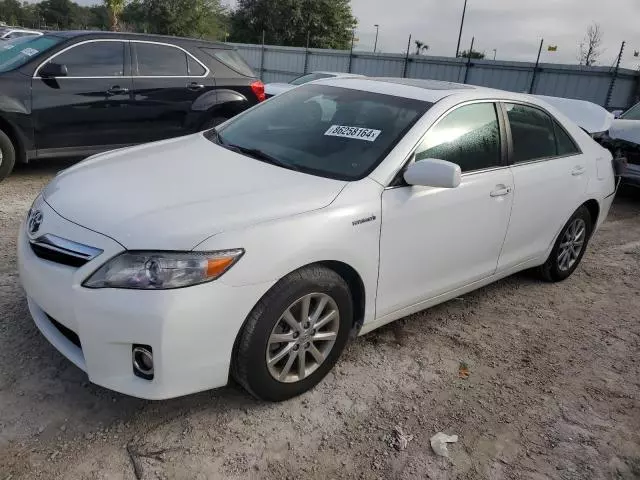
(231, 59)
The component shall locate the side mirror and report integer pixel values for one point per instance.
(433, 173)
(617, 113)
(52, 70)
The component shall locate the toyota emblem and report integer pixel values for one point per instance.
(35, 220)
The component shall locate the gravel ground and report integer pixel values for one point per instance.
(552, 392)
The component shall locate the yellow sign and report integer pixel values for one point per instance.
(552, 48)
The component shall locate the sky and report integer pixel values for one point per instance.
(513, 27)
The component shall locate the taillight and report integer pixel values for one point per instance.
(258, 89)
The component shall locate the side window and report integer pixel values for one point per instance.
(161, 60)
(532, 132)
(468, 136)
(566, 145)
(94, 59)
(195, 69)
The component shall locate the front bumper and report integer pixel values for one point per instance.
(191, 330)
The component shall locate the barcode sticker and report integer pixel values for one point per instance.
(358, 133)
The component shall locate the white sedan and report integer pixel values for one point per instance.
(256, 250)
(272, 89)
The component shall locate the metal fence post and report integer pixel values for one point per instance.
(614, 77)
(406, 58)
(306, 55)
(353, 37)
(535, 69)
(262, 59)
(466, 70)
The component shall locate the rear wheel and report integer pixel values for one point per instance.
(569, 247)
(213, 122)
(294, 335)
(7, 155)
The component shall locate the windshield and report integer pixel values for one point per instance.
(632, 114)
(18, 51)
(327, 131)
(310, 77)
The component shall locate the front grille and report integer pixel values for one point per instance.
(63, 251)
(66, 332)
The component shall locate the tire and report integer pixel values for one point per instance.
(559, 266)
(253, 350)
(8, 159)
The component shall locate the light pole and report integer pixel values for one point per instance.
(375, 45)
(464, 10)
(494, 53)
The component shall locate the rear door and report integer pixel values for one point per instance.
(550, 176)
(167, 81)
(90, 108)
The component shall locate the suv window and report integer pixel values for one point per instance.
(94, 59)
(469, 136)
(231, 59)
(632, 114)
(161, 60)
(195, 69)
(532, 132)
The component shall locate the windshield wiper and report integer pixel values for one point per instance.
(260, 155)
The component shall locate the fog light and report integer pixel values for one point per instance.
(142, 356)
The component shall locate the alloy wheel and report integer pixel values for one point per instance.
(303, 337)
(572, 244)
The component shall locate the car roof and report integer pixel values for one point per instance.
(338, 74)
(422, 89)
(91, 35)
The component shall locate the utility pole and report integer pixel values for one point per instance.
(535, 69)
(353, 37)
(466, 71)
(262, 58)
(375, 45)
(614, 76)
(495, 51)
(461, 24)
(406, 58)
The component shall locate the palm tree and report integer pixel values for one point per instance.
(115, 7)
(421, 46)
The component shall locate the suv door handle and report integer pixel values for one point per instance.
(500, 191)
(195, 86)
(117, 90)
(577, 170)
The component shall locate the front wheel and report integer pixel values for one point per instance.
(569, 247)
(294, 335)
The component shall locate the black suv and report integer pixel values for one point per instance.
(79, 93)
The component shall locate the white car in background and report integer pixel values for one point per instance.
(7, 33)
(259, 248)
(272, 89)
(623, 140)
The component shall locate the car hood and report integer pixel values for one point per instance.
(627, 130)
(277, 88)
(172, 195)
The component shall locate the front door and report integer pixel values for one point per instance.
(434, 240)
(167, 81)
(89, 108)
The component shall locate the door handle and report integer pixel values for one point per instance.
(117, 90)
(501, 191)
(577, 170)
(195, 86)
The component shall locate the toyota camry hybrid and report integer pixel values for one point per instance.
(255, 250)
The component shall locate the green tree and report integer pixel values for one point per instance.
(10, 11)
(115, 9)
(191, 18)
(328, 23)
(473, 54)
(58, 13)
(420, 47)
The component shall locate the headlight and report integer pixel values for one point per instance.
(162, 270)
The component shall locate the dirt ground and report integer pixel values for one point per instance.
(553, 388)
